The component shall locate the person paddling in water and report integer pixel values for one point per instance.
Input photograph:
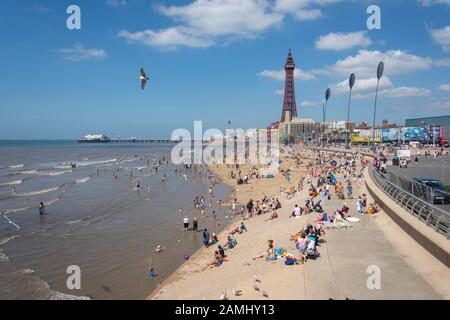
(41, 208)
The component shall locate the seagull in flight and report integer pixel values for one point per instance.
(143, 78)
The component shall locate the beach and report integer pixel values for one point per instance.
(341, 271)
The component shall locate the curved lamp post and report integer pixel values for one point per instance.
(324, 106)
(380, 71)
(351, 83)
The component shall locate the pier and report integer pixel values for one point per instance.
(131, 140)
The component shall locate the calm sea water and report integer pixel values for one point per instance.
(103, 225)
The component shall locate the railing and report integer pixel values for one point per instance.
(433, 216)
(419, 189)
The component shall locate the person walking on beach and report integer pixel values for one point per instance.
(206, 238)
(186, 223)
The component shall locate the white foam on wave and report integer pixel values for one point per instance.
(16, 166)
(53, 173)
(3, 257)
(26, 172)
(6, 240)
(34, 193)
(17, 210)
(11, 183)
(66, 166)
(82, 180)
(50, 202)
(93, 163)
(75, 221)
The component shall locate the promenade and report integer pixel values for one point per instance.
(408, 271)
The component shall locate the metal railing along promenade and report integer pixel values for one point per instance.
(430, 214)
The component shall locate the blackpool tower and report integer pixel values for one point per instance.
(289, 90)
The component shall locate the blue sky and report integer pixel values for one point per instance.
(213, 60)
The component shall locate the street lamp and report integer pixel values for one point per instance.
(324, 106)
(351, 83)
(379, 75)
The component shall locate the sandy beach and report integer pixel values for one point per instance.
(339, 272)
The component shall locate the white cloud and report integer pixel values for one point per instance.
(203, 23)
(443, 62)
(116, 3)
(341, 41)
(308, 104)
(432, 2)
(401, 92)
(303, 9)
(442, 37)
(365, 88)
(79, 52)
(444, 87)
(441, 105)
(279, 92)
(362, 86)
(169, 38)
(364, 64)
(299, 74)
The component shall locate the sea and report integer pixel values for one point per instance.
(97, 219)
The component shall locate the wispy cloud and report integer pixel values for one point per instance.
(443, 62)
(365, 88)
(205, 23)
(341, 41)
(309, 104)
(79, 52)
(115, 3)
(280, 75)
(303, 9)
(444, 87)
(365, 62)
(442, 37)
(433, 2)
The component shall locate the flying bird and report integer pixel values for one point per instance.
(143, 78)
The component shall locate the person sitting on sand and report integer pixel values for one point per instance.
(271, 253)
(318, 207)
(218, 259)
(242, 228)
(297, 211)
(221, 250)
(213, 239)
